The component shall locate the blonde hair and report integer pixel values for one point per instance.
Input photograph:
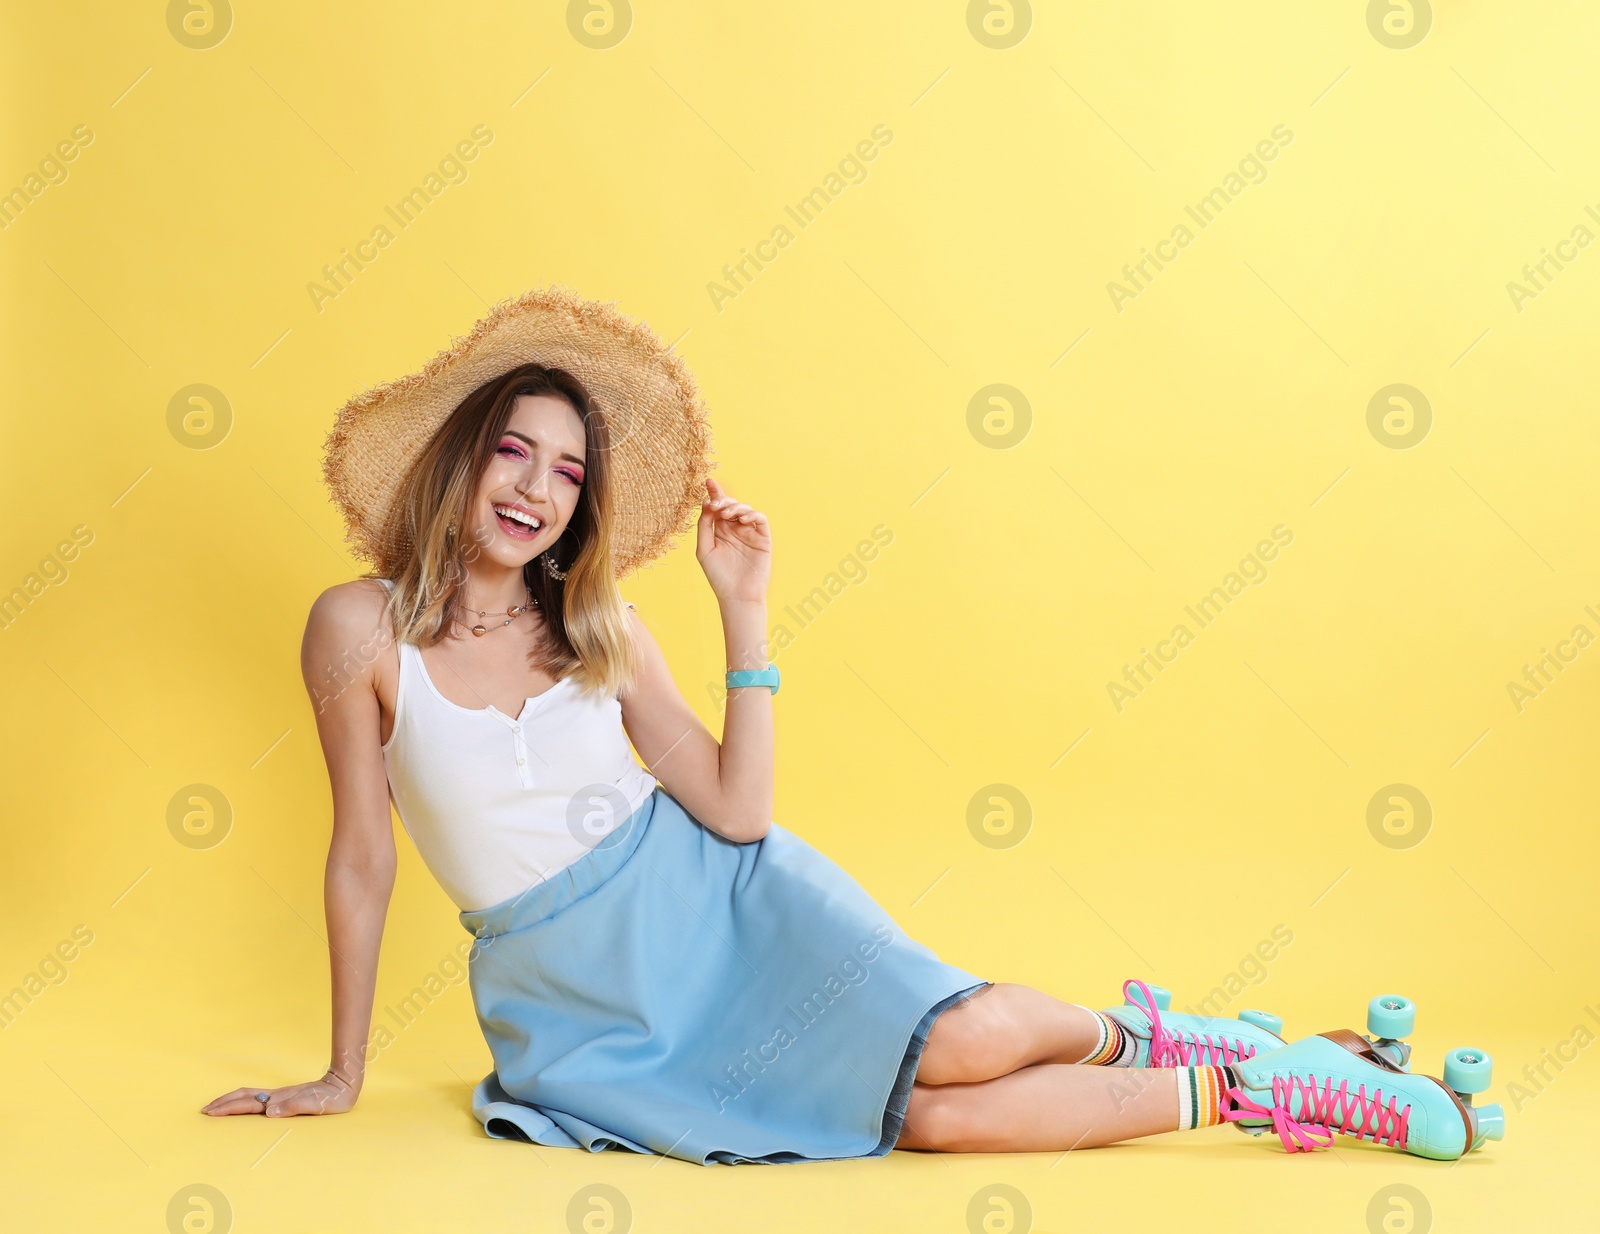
(588, 636)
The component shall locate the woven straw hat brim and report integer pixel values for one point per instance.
(660, 435)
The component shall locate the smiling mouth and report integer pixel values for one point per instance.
(516, 524)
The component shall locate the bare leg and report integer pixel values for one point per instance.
(1000, 1029)
(1050, 1107)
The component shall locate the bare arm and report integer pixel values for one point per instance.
(728, 786)
(338, 656)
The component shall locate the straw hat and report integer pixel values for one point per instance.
(660, 436)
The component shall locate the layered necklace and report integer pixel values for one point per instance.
(511, 614)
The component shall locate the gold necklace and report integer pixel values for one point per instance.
(512, 613)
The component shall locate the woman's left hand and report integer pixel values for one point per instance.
(733, 547)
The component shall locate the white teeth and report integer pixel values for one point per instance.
(518, 516)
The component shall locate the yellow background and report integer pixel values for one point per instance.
(1166, 440)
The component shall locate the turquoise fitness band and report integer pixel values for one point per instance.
(754, 677)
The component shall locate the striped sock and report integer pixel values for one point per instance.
(1114, 1047)
(1203, 1095)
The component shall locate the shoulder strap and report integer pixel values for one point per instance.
(388, 584)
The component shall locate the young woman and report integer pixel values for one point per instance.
(657, 966)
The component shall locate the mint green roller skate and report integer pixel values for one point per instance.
(1338, 1083)
(1175, 1039)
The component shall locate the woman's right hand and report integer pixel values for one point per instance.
(329, 1095)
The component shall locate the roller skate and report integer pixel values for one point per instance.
(1340, 1083)
(1175, 1039)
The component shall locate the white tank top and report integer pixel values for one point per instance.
(496, 803)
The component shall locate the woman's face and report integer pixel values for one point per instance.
(537, 471)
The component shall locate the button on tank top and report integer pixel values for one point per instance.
(496, 803)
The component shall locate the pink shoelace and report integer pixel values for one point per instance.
(1323, 1111)
(1181, 1049)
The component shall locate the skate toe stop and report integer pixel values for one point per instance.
(1491, 1123)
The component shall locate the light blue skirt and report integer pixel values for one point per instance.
(674, 992)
